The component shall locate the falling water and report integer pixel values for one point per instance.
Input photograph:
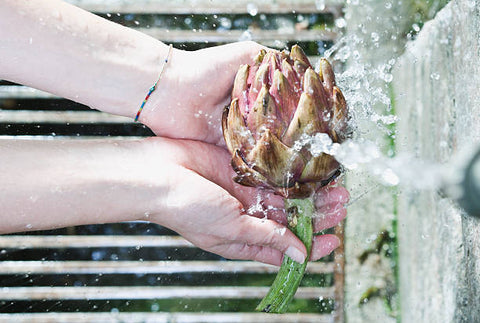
(366, 86)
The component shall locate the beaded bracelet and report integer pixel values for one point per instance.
(154, 84)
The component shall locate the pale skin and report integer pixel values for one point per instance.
(182, 181)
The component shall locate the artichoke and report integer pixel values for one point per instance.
(277, 102)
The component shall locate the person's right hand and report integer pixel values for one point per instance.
(194, 89)
(208, 208)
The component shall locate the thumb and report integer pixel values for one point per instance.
(265, 232)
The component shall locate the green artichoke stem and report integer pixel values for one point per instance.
(290, 274)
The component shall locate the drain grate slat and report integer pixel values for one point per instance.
(210, 6)
(24, 92)
(147, 267)
(149, 292)
(142, 317)
(212, 36)
(90, 241)
(61, 117)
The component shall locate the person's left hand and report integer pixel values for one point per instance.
(208, 208)
(194, 89)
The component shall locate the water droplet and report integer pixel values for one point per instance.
(390, 178)
(340, 23)
(388, 5)
(252, 9)
(375, 37)
(280, 231)
(320, 4)
(225, 23)
(388, 78)
(435, 76)
(246, 35)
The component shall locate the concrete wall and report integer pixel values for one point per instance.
(437, 97)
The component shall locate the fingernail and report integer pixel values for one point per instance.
(295, 254)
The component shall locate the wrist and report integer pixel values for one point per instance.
(151, 172)
(136, 71)
(167, 89)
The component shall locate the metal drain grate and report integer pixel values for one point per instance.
(141, 272)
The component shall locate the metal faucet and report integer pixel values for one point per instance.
(462, 183)
(470, 199)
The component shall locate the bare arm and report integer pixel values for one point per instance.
(54, 46)
(183, 185)
(51, 184)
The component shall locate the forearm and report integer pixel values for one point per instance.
(62, 49)
(50, 184)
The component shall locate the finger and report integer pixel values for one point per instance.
(267, 205)
(331, 195)
(268, 233)
(329, 217)
(236, 53)
(323, 245)
(213, 163)
(244, 251)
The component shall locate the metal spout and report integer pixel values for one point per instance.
(470, 199)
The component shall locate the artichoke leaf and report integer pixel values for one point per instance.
(245, 175)
(305, 120)
(235, 132)
(240, 87)
(319, 168)
(280, 164)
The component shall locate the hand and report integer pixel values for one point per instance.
(194, 89)
(207, 208)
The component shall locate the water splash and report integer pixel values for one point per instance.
(403, 169)
(252, 9)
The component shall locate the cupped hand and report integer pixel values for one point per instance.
(194, 89)
(208, 208)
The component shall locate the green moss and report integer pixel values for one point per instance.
(394, 299)
(422, 11)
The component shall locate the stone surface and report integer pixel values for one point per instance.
(436, 86)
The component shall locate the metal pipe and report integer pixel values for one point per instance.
(470, 186)
(461, 180)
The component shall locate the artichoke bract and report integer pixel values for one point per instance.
(277, 102)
